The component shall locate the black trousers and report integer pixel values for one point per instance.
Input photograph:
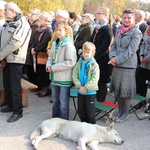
(86, 108)
(29, 70)
(143, 75)
(102, 92)
(12, 85)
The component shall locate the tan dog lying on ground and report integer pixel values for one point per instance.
(81, 132)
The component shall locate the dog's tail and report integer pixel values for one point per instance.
(36, 132)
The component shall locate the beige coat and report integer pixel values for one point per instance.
(65, 61)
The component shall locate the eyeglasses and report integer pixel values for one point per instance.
(85, 16)
(128, 11)
(99, 13)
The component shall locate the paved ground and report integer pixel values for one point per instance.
(15, 136)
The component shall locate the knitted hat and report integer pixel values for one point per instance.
(89, 16)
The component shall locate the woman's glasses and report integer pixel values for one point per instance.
(99, 13)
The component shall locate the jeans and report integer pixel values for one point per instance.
(60, 97)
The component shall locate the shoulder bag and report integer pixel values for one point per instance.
(41, 56)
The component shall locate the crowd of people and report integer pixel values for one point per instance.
(85, 52)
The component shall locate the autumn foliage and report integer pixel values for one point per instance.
(80, 6)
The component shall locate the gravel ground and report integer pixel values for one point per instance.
(15, 136)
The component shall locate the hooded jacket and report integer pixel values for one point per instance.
(65, 61)
(15, 37)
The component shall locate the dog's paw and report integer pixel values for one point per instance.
(33, 142)
(78, 148)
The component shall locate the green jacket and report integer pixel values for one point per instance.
(93, 76)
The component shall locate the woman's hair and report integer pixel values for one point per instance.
(64, 25)
(106, 12)
(128, 11)
(63, 13)
(46, 16)
(73, 15)
(89, 17)
(89, 46)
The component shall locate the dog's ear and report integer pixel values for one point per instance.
(110, 127)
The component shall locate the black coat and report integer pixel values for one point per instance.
(84, 34)
(143, 26)
(41, 46)
(34, 27)
(42, 76)
(102, 39)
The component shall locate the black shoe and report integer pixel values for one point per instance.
(14, 117)
(139, 105)
(6, 110)
(148, 110)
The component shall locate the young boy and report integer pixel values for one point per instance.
(85, 77)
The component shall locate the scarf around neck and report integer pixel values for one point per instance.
(125, 29)
(99, 25)
(148, 31)
(84, 70)
(43, 27)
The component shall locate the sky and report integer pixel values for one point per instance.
(145, 1)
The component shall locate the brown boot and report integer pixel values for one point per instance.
(2, 98)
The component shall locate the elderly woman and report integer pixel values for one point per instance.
(124, 59)
(40, 45)
(84, 32)
(60, 15)
(28, 67)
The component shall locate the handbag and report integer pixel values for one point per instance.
(3, 63)
(42, 58)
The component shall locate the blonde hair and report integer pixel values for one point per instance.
(89, 46)
(65, 25)
(106, 12)
(46, 16)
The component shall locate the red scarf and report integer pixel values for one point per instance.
(148, 31)
(125, 29)
(42, 27)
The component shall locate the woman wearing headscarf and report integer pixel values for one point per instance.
(84, 32)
